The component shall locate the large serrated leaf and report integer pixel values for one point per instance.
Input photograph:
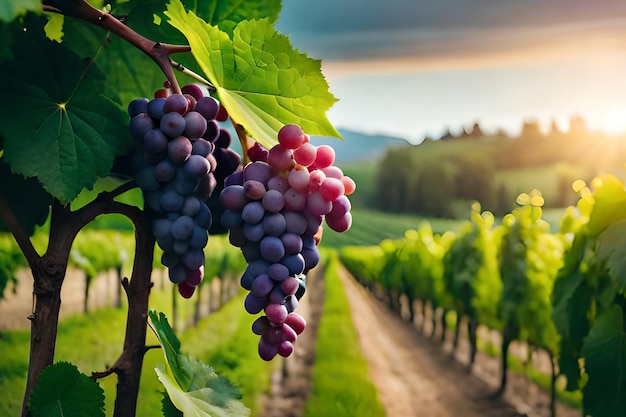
(58, 118)
(611, 247)
(192, 387)
(261, 80)
(141, 15)
(604, 351)
(171, 349)
(62, 391)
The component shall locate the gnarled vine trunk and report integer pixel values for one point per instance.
(48, 274)
(129, 365)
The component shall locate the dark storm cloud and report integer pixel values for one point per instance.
(364, 29)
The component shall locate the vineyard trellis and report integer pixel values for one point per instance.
(561, 291)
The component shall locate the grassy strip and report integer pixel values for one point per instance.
(341, 384)
(372, 227)
(94, 340)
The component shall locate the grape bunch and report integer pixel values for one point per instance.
(181, 153)
(274, 210)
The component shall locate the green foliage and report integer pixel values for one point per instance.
(415, 261)
(604, 351)
(95, 252)
(611, 249)
(70, 133)
(10, 9)
(193, 387)
(233, 351)
(492, 170)
(588, 297)
(11, 259)
(224, 14)
(340, 385)
(530, 260)
(100, 335)
(260, 79)
(471, 275)
(62, 390)
(364, 262)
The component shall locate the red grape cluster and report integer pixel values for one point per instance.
(274, 211)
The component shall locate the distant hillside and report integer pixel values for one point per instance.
(357, 147)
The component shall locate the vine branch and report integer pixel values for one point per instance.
(20, 235)
(158, 52)
(180, 67)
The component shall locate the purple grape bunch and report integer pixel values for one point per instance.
(176, 163)
(274, 209)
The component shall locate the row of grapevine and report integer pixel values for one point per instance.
(11, 259)
(562, 292)
(96, 252)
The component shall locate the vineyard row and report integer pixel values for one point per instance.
(561, 292)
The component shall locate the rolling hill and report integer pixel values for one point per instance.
(359, 147)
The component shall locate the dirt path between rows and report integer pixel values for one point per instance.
(412, 378)
(416, 377)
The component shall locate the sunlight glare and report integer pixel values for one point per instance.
(615, 121)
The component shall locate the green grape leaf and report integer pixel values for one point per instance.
(54, 27)
(62, 390)
(604, 351)
(193, 387)
(7, 40)
(571, 299)
(29, 211)
(146, 16)
(177, 363)
(261, 80)
(132, 72)
(59, 120)
(10, 9)
(611, 248)
(203, 402)
(168, 409)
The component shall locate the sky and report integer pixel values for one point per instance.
(413, 68)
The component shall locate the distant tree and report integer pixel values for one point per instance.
(475, 131)
(531, 130)
(473, 177)
(435, 189)
(395, 180)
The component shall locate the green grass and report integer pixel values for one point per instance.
(371, 227)
(93, 341)
(340, 385)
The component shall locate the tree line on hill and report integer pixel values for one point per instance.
(438, 177)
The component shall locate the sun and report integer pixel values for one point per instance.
(615, 121)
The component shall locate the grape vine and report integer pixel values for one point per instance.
(558, 291)
(68, 67)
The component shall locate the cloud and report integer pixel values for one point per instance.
(445, 33)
